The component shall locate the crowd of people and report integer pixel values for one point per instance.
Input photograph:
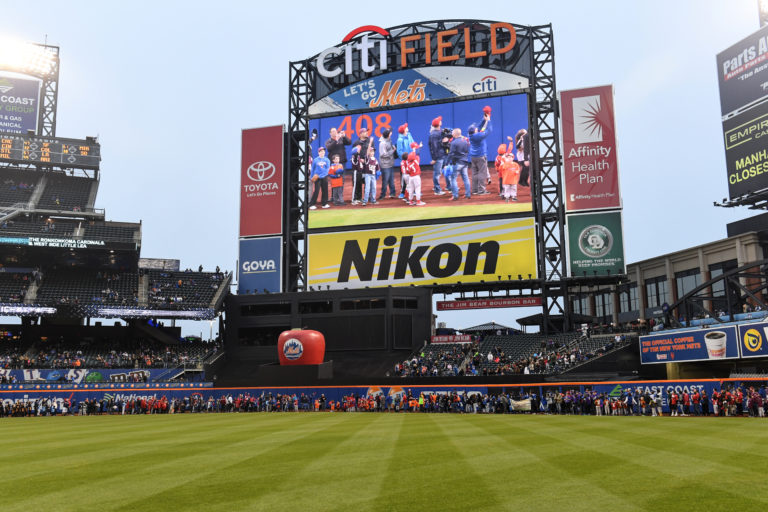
(439, 361)
(745, 401)
(468, 359)
(63, 354)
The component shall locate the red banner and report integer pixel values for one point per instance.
(590, 165)
(452, 338)
(261, 182)
(510, 302)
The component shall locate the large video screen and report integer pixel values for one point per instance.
(476, 195)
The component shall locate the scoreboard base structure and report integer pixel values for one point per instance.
(270, 374)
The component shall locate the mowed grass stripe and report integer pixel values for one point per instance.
(428, 472)
(115, 447)
(126, 477)
(622, 464)
(357, 459)
(241, 481)
(371, 461)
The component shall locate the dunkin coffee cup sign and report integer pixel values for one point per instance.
(691, 345)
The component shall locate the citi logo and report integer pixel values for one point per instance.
(363, 46)
(261, 171)
(257, 266)
(486, 84)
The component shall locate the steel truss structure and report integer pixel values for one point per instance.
(534, 54)
(726, 293)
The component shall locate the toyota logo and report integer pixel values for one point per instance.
(261, 171)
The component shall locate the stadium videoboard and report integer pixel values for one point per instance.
(509, 119)
(404, 84)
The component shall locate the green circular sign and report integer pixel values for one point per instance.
(595, 241)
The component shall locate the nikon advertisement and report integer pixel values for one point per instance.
(595, 244)
(465, 252)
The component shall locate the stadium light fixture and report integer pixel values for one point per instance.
(29, 58)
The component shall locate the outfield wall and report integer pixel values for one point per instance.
(205, 390)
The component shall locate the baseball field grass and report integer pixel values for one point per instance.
(388, 462)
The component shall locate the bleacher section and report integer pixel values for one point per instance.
(39, 226)
(88, 287)
(81, 354)
(108, 231)
(16, 186)
(13, 286)
(182, 289)
(51, 227)
(437, 360)
(65, 193)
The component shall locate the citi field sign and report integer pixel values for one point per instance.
(373, 46)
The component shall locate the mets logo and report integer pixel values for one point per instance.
(293, 349)
(753, 340)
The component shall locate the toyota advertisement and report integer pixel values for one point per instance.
(261, 182)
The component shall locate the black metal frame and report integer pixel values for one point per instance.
(736, 293)
(549, 211)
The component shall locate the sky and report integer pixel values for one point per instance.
(168, 86)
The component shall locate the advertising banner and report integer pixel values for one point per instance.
(746, 150)
(713, 344)
(753, 340)
(84, 375)
(508, 123)
(507, 302)
(452, 338)
(741, 72)
(414, 86)
(595, 244)
(19, 104)
(590, 164)
(260, 265)
(466, 252)
(261, 182)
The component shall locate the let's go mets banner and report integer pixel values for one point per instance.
(467, 252)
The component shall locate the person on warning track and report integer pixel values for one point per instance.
(358, 164)
(357, 177)
(458, 158)
(371, 170)
(336, 175)
(387, 163)
(437, 153)
(404, 144)
(509, 173)
(319, 176)
(478, 153)
(413, 170)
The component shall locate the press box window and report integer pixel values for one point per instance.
(265, 309)
(405, 303)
